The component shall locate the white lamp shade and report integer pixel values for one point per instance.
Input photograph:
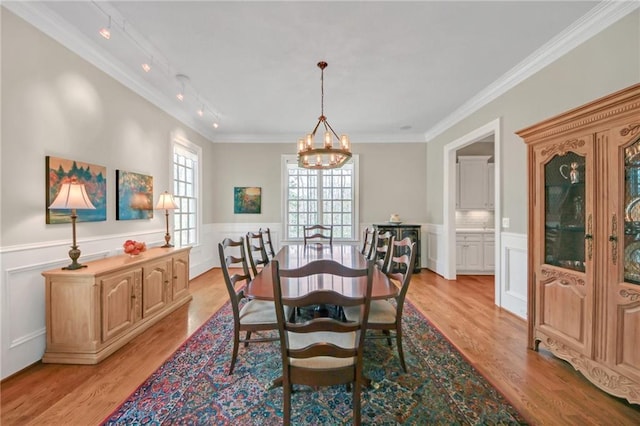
(166, 202)
(72, 195)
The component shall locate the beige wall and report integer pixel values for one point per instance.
(392, 180)
(608, 62)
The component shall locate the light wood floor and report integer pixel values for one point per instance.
(544, 389)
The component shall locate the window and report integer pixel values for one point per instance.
(326, 197)
(186, 184)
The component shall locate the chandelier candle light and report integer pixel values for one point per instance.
(72, 196)
(325, 157)
(167, 203)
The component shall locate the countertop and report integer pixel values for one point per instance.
(475, 231)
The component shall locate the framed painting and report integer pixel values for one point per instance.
(135, 196)
(61, 170)
(247, 199)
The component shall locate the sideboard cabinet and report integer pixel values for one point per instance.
(401, 231)
(93, 311)
(584, 240)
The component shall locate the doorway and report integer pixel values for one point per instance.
(484, 133)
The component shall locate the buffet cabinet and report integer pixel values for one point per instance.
(93, 311)
(401, 231)
(584, 240)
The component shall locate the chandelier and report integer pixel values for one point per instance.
(325, 156)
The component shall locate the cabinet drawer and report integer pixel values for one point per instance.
(469, 237)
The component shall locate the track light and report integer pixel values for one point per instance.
(182, 79)
(106, 31)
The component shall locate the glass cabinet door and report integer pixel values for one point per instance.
(564, 221)
(631, 241)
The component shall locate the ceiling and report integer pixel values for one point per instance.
(398, 71)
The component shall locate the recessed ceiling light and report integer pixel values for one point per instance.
(146, 67)
(106, 31)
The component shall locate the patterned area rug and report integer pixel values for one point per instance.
(192, 387)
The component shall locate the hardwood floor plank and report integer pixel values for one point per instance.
(546, 390)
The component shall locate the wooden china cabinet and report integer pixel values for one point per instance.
(584, 239)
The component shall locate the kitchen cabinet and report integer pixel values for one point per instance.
(474, 252)
(473, 183)
(91, 312)
(584, 240)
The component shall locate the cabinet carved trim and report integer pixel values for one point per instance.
(94, 311)
(630, 130)
(562, 148)
(633, 296)
(606, 379)
(563, 277)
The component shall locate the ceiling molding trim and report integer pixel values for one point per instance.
(293, 138)
(38, 15)
(597, 19)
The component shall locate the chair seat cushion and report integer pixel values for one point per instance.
(301, 340)
(260, 312)
(380, 312)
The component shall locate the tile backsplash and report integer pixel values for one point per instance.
(474, 219)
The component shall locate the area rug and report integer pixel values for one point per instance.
(192, 387)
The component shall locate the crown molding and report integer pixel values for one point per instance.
(291, 138)
(597, 19)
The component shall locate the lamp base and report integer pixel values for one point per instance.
(74, 254)
(74, 265)
(167, 245)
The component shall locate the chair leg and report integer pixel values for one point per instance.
(234, 354)
(388, 334)
(246, 338)
(286, 409)
(399, 345)
(357, 420)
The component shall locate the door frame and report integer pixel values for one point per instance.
(450, 194)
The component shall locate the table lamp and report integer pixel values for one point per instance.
(72, 195)
(167, 203)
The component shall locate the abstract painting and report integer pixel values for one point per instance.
(59, 171)
(135, 196)
(247, 199)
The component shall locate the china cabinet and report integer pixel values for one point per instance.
(584, 239)
(93, 311)
(400, 231)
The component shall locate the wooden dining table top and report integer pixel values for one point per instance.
(297, 255)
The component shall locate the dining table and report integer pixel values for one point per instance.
(292, 256)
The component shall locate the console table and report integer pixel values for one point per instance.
(94, 311)
(400, 231)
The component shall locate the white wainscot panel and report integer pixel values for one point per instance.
(434, 248)
(514, 267)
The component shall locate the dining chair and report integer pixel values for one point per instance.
(318, 234)
(268, 244)
(256, 251)
(248, 315)
(322, 351)
(382, 249)
(368, 242)
(386, 315)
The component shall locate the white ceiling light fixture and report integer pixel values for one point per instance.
(201, 111)
(182, 79)
(146, 66)
(325, 156)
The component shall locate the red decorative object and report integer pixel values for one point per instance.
(132, 247)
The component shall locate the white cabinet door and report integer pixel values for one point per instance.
(469, 252)
(473, 182)
(489, 255)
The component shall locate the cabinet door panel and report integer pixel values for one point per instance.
(622, 227)
(180, 276)
(564, 221)
(155, 286)
(118, 303)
